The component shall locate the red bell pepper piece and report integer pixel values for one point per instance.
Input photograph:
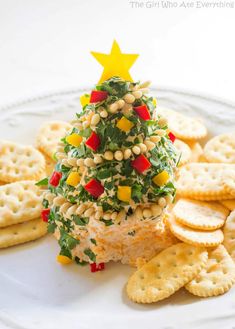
(93, 141)
(141, 163)
(45, 214)
(143, 112)
(55, 178)
(101, 266)
(96, 267)
(98, 96)
(94, 187)
(172, 137)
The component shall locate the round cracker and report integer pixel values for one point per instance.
(229, 234)
(20, 162)
(206, 181)
(221, 148)
(183, 150)
(166, 273)
(193, 236)
(217, 277)
(19, 202)
(200, 215)
(49, 136)
(183, 127)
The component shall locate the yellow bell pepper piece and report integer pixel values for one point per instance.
(64, 260)
(74, 139)
(124, 124)
(73, 178)
(154, 102)
(84, 99)
(161, 179)
(124, 193)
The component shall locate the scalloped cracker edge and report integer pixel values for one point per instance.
(217, 277)
(21, 233)
(221, 148)
(193, 236)
(206, 181)
(229, 234)
(182, 126)
(200, 215)
(166, 273)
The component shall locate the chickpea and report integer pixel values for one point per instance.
(121, 216)
(80, 209)
(104, 114)
(108, 155)
(160, 132)
(71, 211)
(138, 213)
(137, 94)
(59, 200)
(88, 212)
(80, 162)
(127, 154)
(107, 216)
(162, 202)
(118, 155)
(49, 196)
(95, 119)
(97, 159)
(155, 139)
(65, 207)
(127, 107)
(113, 107)
(114, 215)
(150, 145)
(147, 213)
(89, 162)
(136, 149)
(129, 98)
(72, 161)
(156, 210)
(143, 147)
(98, 215)
(120, 103)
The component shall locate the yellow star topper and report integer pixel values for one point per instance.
(116, 63)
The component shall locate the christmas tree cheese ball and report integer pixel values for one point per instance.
(113, 179)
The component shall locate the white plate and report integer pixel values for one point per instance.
(36, 292)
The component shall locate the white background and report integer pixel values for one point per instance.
(45, 44)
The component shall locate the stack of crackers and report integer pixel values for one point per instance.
(21, 166)
(202, 219)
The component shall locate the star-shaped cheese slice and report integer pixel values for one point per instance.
(116, 63)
